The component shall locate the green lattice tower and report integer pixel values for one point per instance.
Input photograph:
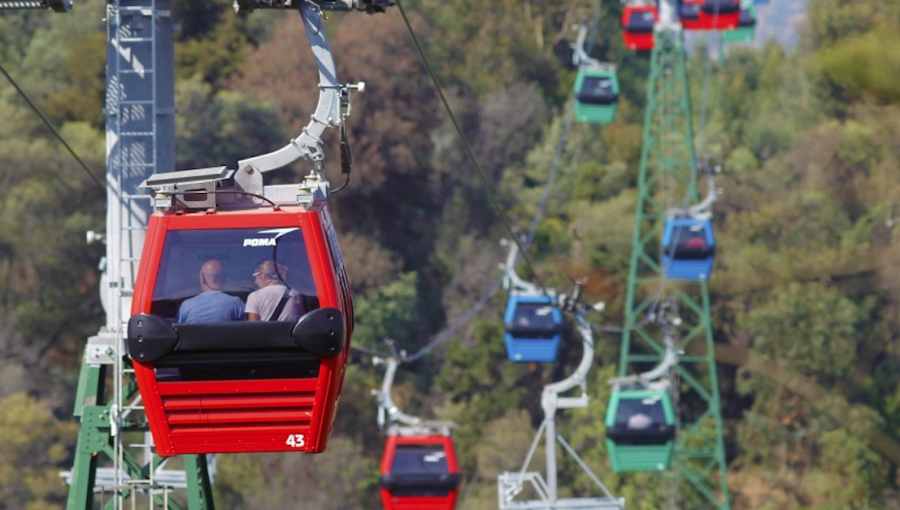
(140, 127)
(96, 443)
(667, 180)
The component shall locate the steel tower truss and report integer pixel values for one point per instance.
(114, 460)
(667, 180)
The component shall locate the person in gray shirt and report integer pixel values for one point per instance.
(263, 303)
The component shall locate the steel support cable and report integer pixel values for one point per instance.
(702, 121)
(47, 122)
(560, 148)
(486, 183)
(703, 104)
(596, 28)
(445, 335)
(448, 332)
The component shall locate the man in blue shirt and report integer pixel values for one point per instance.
(211, 305)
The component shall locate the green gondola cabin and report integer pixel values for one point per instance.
(746, 28)
(596, 95)
(640, 430)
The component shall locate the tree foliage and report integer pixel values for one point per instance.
(805, 278)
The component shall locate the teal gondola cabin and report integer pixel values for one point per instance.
(596, 95)
(640, 430)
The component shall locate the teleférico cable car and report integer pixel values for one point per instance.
(703, 15)
(689, 14)
(637, 26)
(419, 470)
(720, 14)
(640, 430)
(240, 327)
(689, 249)
(746, 29)
(596, 95)
(534, 328)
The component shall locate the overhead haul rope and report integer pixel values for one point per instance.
(702, 121)
(448, 332)
(595, 28)
(47, 122)
(485, 182)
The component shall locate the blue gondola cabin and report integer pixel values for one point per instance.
(534, 328)
(689, 249)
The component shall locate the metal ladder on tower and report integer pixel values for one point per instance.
(113, 425)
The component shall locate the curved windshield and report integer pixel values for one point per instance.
(534, 320)
(224, 275)
(690, 242)
(596, 90)
(420, 460)
(641, 22)
(640, 414)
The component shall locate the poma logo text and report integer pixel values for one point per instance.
(259, 242)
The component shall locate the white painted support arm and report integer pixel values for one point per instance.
(511, 281)
(580, 58)
(550, 399)
(657, 377)
(703, 210)
(328, 110)
(386, 405)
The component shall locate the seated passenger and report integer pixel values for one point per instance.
(639, 421)
(211, 305)
(273, 301)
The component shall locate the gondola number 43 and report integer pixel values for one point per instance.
(296, 441)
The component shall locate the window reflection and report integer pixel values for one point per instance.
(207, 275)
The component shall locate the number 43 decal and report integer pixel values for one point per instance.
(296, 441)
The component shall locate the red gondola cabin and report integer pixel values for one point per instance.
(213, 381)
(637, 26)
(419, 470)
(708, 14)
(720, 14)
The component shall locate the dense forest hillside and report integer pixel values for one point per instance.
(806, 293)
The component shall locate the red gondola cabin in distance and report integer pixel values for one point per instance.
(637, 26)
(213, 381)
(419, 470)
(720, 14)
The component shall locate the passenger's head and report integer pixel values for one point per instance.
(639, 421)
(212, 275)
(269, 273)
